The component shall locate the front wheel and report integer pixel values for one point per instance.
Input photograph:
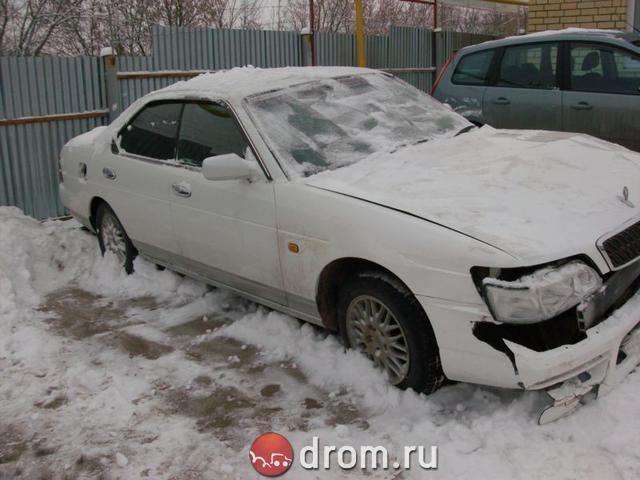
(113, 238)
(382, 319)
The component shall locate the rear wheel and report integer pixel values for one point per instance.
(113, 238)
(382, 319)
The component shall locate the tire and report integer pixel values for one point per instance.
(412, 331)
(113, 237)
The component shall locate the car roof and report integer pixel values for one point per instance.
(238, 83)
(624, 39)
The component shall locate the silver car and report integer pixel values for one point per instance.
(585, 81)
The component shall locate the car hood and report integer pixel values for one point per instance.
(536, 195)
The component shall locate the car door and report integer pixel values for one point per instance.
(464, 91)
(135, 175)
(524, 92)
(603, 94)
(226, 230)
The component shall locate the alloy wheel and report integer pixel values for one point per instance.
(113, 237)
(373, 329)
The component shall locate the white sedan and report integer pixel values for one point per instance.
(349, 199)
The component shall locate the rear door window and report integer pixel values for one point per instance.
(604, 69)
(529, 66)
(474, 69)
(153, 132)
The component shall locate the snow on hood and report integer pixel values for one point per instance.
(530, 193)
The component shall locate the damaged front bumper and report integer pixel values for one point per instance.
(581, 353)
(598, 362)
(596, 365)
(593, 356)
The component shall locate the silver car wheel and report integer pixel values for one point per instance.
(374, 330)
(113, 237)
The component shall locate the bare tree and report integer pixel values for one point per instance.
(240, 14)
(330, 15)
(489, 21)
(6, 14)
(181, 13)
(73, 27)
(130, 23)
(250, 14)
(381, 14)
(82, 34)
(26, 26)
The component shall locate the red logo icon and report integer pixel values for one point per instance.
(271, 454)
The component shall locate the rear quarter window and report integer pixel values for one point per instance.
(474, 68)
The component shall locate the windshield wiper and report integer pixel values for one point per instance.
(465, 130)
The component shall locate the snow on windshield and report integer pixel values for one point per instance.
(327, 124)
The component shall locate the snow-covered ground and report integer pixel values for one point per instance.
(157, 376)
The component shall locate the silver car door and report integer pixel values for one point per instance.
(525, 91)
(603, 98)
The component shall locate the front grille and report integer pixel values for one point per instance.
(623, 247)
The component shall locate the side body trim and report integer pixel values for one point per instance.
(299, 307)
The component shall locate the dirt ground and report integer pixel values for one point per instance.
(216, 408)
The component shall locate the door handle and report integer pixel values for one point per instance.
(182, 189)
(501, 101)
(582, 106)
(109, 173)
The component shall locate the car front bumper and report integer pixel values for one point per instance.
(602, 376)
(609, 352)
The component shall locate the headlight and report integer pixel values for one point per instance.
(541, 295)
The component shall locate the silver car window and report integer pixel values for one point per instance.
(474, 69)
(601, 68)
(529, 66)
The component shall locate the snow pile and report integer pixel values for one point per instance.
(480, 432)
(82, 393)
(175, 381)
(43, 257)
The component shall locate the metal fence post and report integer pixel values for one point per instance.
(112, 86)
(307, 49)
(438, 35)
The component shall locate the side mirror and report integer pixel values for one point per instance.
(227, 167)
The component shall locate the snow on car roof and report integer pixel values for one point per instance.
(236, 84)
(244, 81)
(586, 31)
(571, 33)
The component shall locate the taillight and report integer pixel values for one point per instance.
(442, 72)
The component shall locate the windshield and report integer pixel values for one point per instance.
(331, 123)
